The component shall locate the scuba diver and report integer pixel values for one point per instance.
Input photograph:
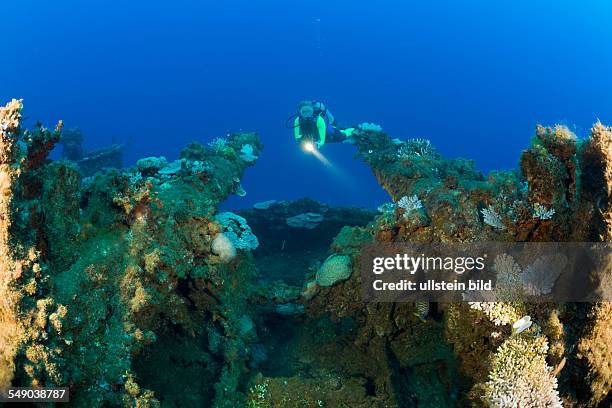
(315, 125)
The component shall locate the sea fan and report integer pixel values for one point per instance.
(508, 284)
(539, 278)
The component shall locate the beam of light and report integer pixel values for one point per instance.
(321, 158)
(338, 173)
(309, 147)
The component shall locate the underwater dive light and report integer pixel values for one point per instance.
(308, 147)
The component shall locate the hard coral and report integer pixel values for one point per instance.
(596, 349)
(10, 118)
(142, 254)
(25, 309)
(237, 230)
(520, 375)
(224, 248)
(596, 182)
(335, 269)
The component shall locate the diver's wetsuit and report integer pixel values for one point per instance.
(334, 135)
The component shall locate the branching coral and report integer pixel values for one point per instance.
(520, 376)
(409, 204)
(220, 146)
(542, 213)
(416, 147)
(492, 218)
(500, 313)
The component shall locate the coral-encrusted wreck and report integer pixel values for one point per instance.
(131, 288)
(109, 285)
(469, 355)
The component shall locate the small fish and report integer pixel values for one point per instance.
(422, 310)
(559, 367)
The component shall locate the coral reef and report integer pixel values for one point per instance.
(30, 319)
(131, 287)
(106, 281)
(149, 166)
(596, 348)
(237, 230)
(562, 193)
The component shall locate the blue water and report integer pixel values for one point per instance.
(473, 76)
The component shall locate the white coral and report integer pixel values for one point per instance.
(218, 144)
(370, 127)
(499, 313)
(223, 246)
(409, 204)
(247, 153)
(520, 376)
(237, 230)
(415, 147)
(542, 213)
(10, 115)
(492, 218)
